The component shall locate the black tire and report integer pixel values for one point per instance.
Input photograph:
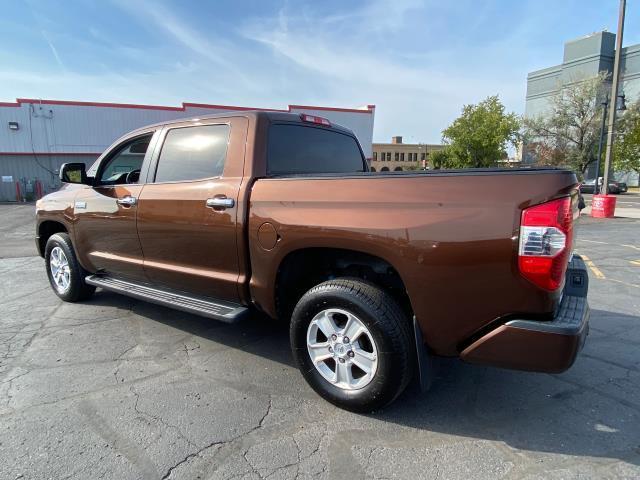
(77, 289)
(388, 326)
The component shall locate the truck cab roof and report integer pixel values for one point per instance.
(259, 115)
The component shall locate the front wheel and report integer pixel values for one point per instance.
(65, 273)
(352, 343)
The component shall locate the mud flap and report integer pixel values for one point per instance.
(424, 359)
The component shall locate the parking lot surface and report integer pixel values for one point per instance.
(116, 388)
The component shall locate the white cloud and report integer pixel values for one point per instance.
(418, 62)
(40, 22)
(213, 48)
(53, 49)
(414, 98)
(106, 87)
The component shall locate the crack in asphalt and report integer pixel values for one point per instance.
(217, 443)
(158, 418)
(81, 395)
(604, 402)
(24, 348)
(600, 392)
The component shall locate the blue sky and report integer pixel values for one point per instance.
(418, 62)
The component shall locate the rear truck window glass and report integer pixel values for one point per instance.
(298, 149)
(192, 153)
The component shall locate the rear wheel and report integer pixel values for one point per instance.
(352, 343)
(66, 276)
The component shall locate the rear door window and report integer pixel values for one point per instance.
(298, 149)
(192, 153)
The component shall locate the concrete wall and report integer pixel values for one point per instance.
(583, 58)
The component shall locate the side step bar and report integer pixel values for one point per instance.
(205, 307)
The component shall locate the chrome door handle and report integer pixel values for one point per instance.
(127, 201)
(220, 202)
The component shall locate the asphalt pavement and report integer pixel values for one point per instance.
(17, 230)
(117, 388)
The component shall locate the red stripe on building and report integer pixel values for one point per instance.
(52, 153)
(185, 105)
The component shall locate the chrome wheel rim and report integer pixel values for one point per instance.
(342, 349)
(60, 271)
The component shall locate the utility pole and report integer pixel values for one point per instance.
(614, 98)
(596, 185)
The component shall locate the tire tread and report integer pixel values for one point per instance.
(79, 289)
(387, 314)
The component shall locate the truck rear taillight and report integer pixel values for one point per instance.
(546, 233)
(315, 119)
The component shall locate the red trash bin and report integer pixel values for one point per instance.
(603, 206)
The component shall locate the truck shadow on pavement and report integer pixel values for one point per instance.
(591, 410)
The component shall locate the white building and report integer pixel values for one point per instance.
(37, 136)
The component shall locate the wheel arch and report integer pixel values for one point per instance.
(301, 269)
(46, 229)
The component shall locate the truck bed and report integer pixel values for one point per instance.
(451, 235)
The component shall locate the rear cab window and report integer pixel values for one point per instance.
(300, 149)
(193, 153)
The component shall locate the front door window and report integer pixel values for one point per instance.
(123, 167)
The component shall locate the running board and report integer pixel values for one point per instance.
(218, 310)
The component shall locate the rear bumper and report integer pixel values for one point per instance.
(541, 346)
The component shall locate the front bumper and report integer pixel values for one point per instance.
(542, 346)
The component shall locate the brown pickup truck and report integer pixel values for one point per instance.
(375, 273)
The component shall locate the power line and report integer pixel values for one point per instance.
(33, 148)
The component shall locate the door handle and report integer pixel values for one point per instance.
(127, 201)
(220, 202)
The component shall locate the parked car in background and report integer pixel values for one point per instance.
(614, 187)
(375, 273)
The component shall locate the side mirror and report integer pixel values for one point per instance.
(73, 173)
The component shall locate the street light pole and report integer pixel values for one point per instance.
(596, 186)
(614, 97)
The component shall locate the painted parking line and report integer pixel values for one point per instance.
(624, 283)
(595, 270)
(598, 274)
(593, 241)
(607, 243)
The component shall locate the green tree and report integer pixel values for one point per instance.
(567, 134)
(481, 135)
(441, 159)
(626, 149)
